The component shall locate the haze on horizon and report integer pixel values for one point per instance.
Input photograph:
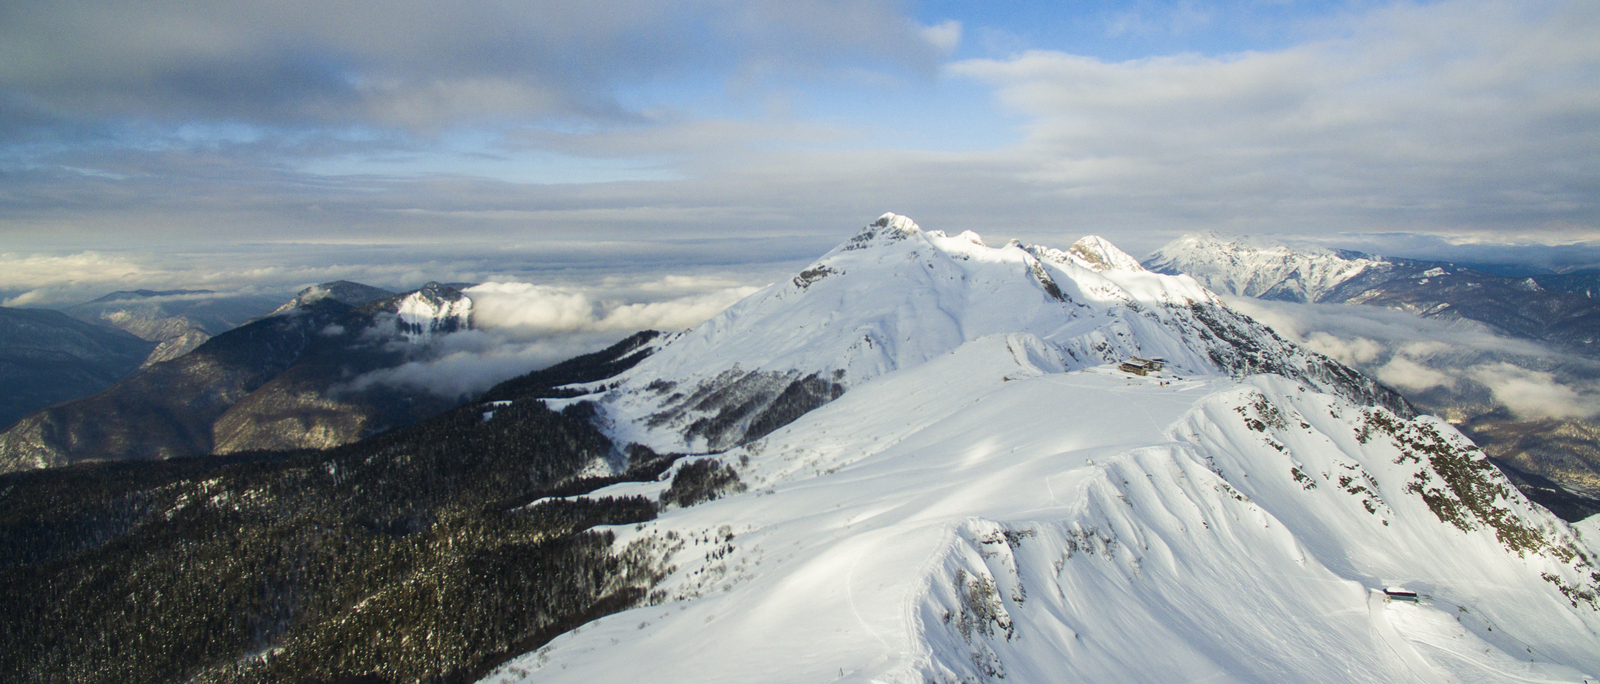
(264, 146)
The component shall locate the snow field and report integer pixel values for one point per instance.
(944, 523)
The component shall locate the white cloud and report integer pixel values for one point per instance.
(1443, 364)
(520, 327)
(535, 308)
(40, 276)
(409, 64)
(1407, 375)
(945, 36)
(1465, 115)
(625, 271)
(1536, 394)
(543, 309)
(1456, 117)
(1353, 351)
(468, 363)
(1360, 335)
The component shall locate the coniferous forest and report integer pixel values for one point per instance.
(412, 556)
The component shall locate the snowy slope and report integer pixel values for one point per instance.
(991, 499)
(895, 296)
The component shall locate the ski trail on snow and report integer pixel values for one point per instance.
(850, 596)
(1414, 663)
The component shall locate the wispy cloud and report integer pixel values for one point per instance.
(543, 309)
(467, 363)
(1537, 394)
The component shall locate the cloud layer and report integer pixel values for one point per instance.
(1454, 116)
(1439, 364)
(635, 271)
(413, 63)
(545, 310)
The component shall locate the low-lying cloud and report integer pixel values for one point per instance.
(467, 363)
(1407, 375)
(1438, 363)
(1536, 394)
(544, 309)
(521, 327)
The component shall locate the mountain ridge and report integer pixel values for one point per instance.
(177, 320)
(921, 459)
(834, 326)
(1565, 451)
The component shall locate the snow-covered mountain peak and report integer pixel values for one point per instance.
(895, 222)
(895, 297)
(1101, 255)
(1247, 246)
(433, 309)
(937, 462)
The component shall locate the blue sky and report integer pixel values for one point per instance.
(750, 135)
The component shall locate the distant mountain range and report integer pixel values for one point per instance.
(1267, 269)
(1586, 284)
(177, 320)
(279, 382)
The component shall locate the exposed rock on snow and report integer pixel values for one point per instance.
(434, 309)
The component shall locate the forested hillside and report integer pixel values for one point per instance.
(407, 557)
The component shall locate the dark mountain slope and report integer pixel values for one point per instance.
(1584, 283)
(279, 382)
(406, 557)
(1519, 307)
(347, 292)
(47, 357)
(166, 410)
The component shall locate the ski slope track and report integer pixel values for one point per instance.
(947, 479)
